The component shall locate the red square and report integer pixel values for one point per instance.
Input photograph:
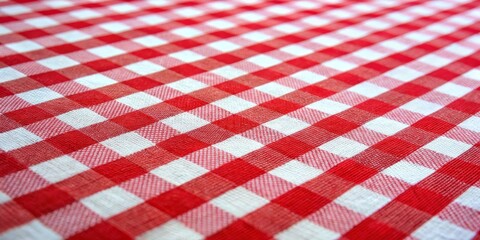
(142, 83)
(186, 102)
(134, 120)
(236, 123)
(424, 200)
(353, 171)
(9, 165)
(336, 125)
(182, 145)
(318, 91)
(71, 141)
(396, 147)
(375, 106)
(49, 78)
(239, 230)
(369, 227)
(4, 92)
(187, 70)
(301, 201)
(28, 115)
(227, 58)
(290, 147)
(45, 200)
(269, 74)
(412, 89)
(102, 65)
(120, 170)
(302, 62)
(176, 202)
(281, 106)
(433, 125)
(103, 230)
(90, 98)
(232, 87)
(146, 53)
(239, 171)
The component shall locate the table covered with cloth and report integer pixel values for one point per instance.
(239, 119)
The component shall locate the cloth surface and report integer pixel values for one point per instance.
(240, 119)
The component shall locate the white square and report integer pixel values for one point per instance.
(221, 5)
(39, 95)
(238, 146)
(184, 122)
(274, 89)
(316, 21)
(24, 46)
(111, 201)
(368, 89)
(224, 46)
(326, 40)
(385, 126)
(362, 200)
(377, 24)
(41, 22)
(59, 169)
(368, 54)
(139, 100)
(187, 85)
(9, 74)
(458, 49)
(296, 172)
(179, 171)
(73, 36)
(15, 9)
(172, 229)
(473, 74)
(287, 28)
(239, 202)
(152, 19)
(256, 36)
(234, 104)
(296, 50)
(472, 124)
(106, 51)
(187, 56)
(83, 14)
(437, 228)
(149, 41)
(286, 125)
(419, 37)
(251, 16)
(220, 24)
(279, 9)
(187, 32)
(188, 12)
(31, 230)
(404, 74)
(394, 45)
(127, 143)
(17, 138)
(353, 32)
(343, 147)
(470, 198)
(123, 8)
(308, 76)
(339, 65)
(305, 230)
(434, 60)
(81, 118)
(144, 67)
(4, 198)
(95, 81)
(4, 30)
(229, 72)
(447, 146)
(263, 60)
(115, 27)
(409, 172)
(328, 106)
(58, 62)
(453, 89)
(421, 106)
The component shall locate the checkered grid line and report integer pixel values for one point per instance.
(240, 119)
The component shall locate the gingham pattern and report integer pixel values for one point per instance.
(240, 119)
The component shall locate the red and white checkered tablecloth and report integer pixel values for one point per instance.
(239, 119)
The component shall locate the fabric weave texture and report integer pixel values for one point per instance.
(240, 119)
